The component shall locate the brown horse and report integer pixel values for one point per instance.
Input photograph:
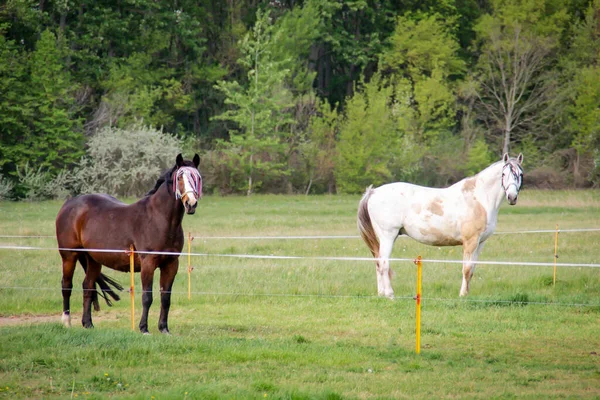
(98, 223)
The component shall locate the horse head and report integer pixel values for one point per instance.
(512, 177)
(187, 182)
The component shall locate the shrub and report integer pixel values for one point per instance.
(41, 185)
(125, 162)
(6, 187)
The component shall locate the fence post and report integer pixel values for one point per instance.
(189, 270)
(131, 289)
(418, 299)
(555, 254)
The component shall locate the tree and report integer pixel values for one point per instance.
(516, 48)
(318, 149)
(260, 111)
(367, 139)
(39, 123)
(423, 54)
(581, 86)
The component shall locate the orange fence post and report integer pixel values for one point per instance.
(131, 289)
(418, 299)
(555, 254)
(190, 238)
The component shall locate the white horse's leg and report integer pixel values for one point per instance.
(470, 257)
(384, 273)
(380, 290)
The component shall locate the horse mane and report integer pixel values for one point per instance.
(165, 177)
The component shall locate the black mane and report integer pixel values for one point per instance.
(165, 177)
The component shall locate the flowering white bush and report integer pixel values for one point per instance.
(125, 162)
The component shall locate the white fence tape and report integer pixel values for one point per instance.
(318, 258)
(319, 237)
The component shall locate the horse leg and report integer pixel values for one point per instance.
(69, 262)
(471, 249)
(384, 272)
(89, 289)
(167, 277)
(147, 275)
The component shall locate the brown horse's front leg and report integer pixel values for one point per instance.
(167, 277)
(69, 261)
(147, 275)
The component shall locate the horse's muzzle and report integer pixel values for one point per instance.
(190, 209)
(512, 200)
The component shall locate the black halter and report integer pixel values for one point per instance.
(517, 174)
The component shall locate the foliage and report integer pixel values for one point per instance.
(6, 187)
(125, 161)
(260, 111)
(367, 139)
(479, 157)
(36, 185)
(41, 126)
(318, 149)
(423, 55)
(69, 68)
(518, 43)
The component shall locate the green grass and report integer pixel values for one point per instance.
(309, 328)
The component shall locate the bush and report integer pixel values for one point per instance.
(40, 185)
(125, 162)
(6, 187)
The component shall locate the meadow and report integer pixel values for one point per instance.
(312, 328)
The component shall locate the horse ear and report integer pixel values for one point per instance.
(179, 160)
(505, 157)
(196, 160)
(520, 158)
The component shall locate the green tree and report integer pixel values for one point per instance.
(517, 49)
(55, 140)
(367, 139)
(318, 148)
(260, 111)
(13, 107)
(424, 55)
(580, 77)
(39, 111)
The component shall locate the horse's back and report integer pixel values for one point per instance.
(75, 215)
(428, 215)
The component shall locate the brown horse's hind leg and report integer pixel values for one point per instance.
(167, 277)
(69, 262)
(89, 290)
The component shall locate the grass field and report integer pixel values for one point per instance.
(313, 329)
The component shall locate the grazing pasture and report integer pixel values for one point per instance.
(307, 328)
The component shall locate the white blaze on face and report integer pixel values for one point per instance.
(511, 182)
(189, 190)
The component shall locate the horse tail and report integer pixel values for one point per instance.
(105, 282)
(365, 226)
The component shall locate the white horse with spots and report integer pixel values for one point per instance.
(464, 213)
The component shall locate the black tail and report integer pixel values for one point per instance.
(105, 283)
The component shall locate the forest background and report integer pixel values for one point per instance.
(313, 96)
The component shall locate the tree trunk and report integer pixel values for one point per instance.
(308, 187)
(506, 141)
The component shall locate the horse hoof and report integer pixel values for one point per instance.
(146, 333)
(165, 332)
(66, 320)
